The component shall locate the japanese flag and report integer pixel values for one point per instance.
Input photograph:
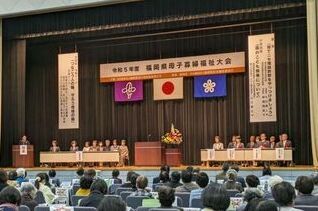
(168, 88)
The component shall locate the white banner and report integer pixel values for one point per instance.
(173, 67)
(262, 84)
(79, 156)
(23, 149)
(257, 153)
(280, 154)
(211, 154)
(68, 91)
(231, 154)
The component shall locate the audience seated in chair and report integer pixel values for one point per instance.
(202, 179)
(249, 194)
(21, 176)
(85, 185)
(267, 205)
(3, 179)
(165, 168)
(315, 181)
(55, 181)
(222, 175)
(166, 197)
(141, 184)
(10, 199)
(175, 180)
(115, 175)
(284, 195)
(304, 185)
(112, 203)
(253, 204)
(129, 176)
(188, 185)
(12, 178)
(238, 177)
(28, 194)
(98, 190)
(79, 173)
(214, 197)
(164, 179)
(90, 173)
(41, 184)
(231, 183)
(266, 173)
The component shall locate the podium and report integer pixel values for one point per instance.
(149, 153)
(22, 160)
(173, 156)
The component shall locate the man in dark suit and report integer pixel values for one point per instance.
(284, 142)
(115, 175)
(98, 190)
(305, 186)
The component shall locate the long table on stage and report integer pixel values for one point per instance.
(78, 157)
(246, 155)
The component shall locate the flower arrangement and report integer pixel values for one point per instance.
(172, 137)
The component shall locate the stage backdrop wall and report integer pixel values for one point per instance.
(198, 119)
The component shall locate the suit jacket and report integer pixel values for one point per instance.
(27, 200)
(250, 145)
(281, 144)
(306, 199)
(231, 145)
(173, 184)
(93, 200)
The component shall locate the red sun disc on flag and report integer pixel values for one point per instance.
(167, 88)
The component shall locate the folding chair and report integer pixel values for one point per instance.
(125, 194)
(24, 208)
(185, 198)
(135, 201)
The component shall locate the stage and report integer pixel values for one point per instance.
(68, 173)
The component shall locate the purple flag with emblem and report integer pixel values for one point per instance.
(128, 91)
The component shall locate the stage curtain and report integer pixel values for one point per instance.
(312, 21)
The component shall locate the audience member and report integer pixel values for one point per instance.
(166, 197)
(247, 197)
(10, 199)
(164, 179)
(215, 197)
(90, 173)
(55, 181)
(284, 195)
(141, 184)
(128, 184)
(28, 194)
(252, 182)
(304, 185)
(175, 180)
(188, 185)
(41, 185)
(21, 176)
(222, 175)
(3, 179)
(134, 181)
(267, 205)
(266, 173)
(80, 172)
(253, 203)
(85, 185)
(98, 190)
(315, 181)
(12, 177)
(202, 180)
(112, 203)
(115, 175)
(195, 172)
(231, 183)
(165, 168)
(238, 178)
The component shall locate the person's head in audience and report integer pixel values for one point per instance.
(115, 174)
(253, 203)
(40, 179)
(267, 205)
(267, 170)
(315, 179)
(175, 177)
(190, 169)
(231, 175)
(166, 196)
(272, 139)
(129, 174)
(252, 139)
(164, 177)
(235, 167)
(21, 172)
(186, 176)
(165, 168)
(250, 194)
(252, 181)
(274, 180)
(80, 172)
(90, 173)
(52, 173)
(263, 137)
(225, 167)
(115, 142)
(3, 177)
(86, 182)
(112, 203)
(99, 186)
(141, 182)
(28, 190)
(304, 185)
(196, 171)
(11, 196)
(215, 197)
(12, 175)
(107, 142)
(202, 179)
(133, 180)
(284, 194)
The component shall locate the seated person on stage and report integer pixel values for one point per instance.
(41, 185)
(231, 183)
(284, 143)
(114, 147)
(94, 146)
(124, 153)
(55, 181)
(252, 143)
(166, 198)
(141, 184)
(10, 199)
(218, 145)
(202, 180)
(165, 168)
(214, 197)
(28, 194)
(74, 147)
(304, 185)
(175, 180)
(112, 203)
(107, 145)
(239, 144)
(85, 185)
(21, 176)
(97, 191)
(115, 175)
(86, 147)
(232, 143)
(284, 195)
(272, 142)
(222, 175)
(100, 147)
(24, 140)
(55, 147)
(188, 185)
(263, 143)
